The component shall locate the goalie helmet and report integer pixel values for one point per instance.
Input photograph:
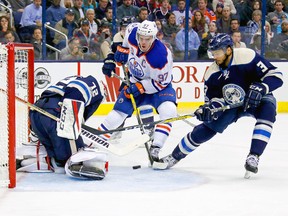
(220, 41)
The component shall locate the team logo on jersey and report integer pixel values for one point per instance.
(135, 68)
(42, 78)
(233, 93)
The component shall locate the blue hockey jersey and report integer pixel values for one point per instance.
(245, 68)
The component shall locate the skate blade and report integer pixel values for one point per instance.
(248, 174)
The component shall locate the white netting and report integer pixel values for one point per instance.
(21, 109)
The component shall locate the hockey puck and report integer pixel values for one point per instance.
(136, 167)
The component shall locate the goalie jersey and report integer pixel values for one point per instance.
(154, 73)
(85, 89)
(232, 83)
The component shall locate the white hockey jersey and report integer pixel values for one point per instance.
(153, 68)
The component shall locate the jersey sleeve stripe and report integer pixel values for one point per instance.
(83, 88)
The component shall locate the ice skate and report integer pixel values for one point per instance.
(154, 152)
(251, 165)
(165, 162)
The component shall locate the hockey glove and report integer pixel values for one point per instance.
(206, 112)
(109, 65)
(254, 95)
(135, 89)
(121, 55)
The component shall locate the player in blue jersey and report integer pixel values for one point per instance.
(149, 63)
(86, 94)
(236, 76)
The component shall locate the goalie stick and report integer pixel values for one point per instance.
(181, 117)
(87, 132)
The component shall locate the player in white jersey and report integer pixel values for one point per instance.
(238, 76)
(150, 65)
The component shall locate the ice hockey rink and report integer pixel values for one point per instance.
(209, 182)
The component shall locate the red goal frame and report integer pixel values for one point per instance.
(12, 50)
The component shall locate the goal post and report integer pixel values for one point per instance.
(16, 83)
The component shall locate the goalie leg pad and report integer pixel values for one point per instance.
(71, 119)
(87, 163)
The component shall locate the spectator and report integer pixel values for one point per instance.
(218, 10)
(208, 13)
(37, 43)
(67, 3)
(244, 12)
(104, 39)
(193, 43)
(19, 5)
(180, 12)
(93, 22)
(72, 51)
(256, 39)
(54, 14)
(236, 37)
(89, 4)
(280, 42)
(9, 37)
(101, 9)
(127, 9)
(31, 18)
(234, 25)
(88, 41)
(160, 13)
(256, 5)
(78, 10)
(5, 27)
(253, 26)
(199, 24)
(142, 3)
(108, 19)
(170, 29)
(159, 24)
(226, 3)
(206, 37)
(66, 26)
(223, 24)
(275, 17)
(143, 14)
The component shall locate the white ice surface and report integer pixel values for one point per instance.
(209, 182)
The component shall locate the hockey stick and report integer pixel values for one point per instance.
(124, 80)
(181, 117)
(90, 136)
(139, 120)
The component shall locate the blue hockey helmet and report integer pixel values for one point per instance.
(220, 41)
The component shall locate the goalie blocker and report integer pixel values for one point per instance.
(71, 118)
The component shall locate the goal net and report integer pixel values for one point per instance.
(16, 87)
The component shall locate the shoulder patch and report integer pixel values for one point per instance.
(243, 56)
(159, 49)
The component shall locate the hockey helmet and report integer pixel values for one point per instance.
(126, 20)
(147, 28)
(220, 41)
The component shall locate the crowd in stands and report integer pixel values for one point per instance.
(83, 28)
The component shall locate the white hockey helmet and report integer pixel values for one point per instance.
(147, 28)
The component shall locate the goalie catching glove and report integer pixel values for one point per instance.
(121, 55)
(207, 113)
(135, 89)
(254, 95)
(109, 65)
